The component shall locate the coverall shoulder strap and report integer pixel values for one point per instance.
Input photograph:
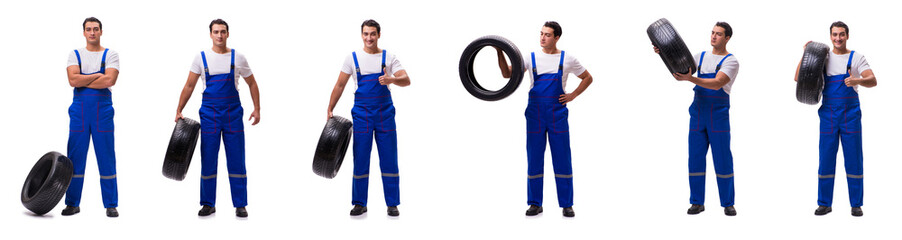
(356, 65)
(701, 59)
(203, 57)
(232, 67)
(383, 58)
(103, 60)
(78, 57)
(849, 65)
(721, 62)
(560, 67)
(533, 57)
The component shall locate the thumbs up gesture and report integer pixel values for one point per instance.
(385, 79)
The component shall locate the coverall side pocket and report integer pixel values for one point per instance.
(77, 117)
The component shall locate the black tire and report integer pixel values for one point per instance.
(47, 182)
(332, 146)
(181, 149)
(674, 52)
(469, 79)
(811, 73)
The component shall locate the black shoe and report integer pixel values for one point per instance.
(695, 209)
(70, 210)
(111, 212)
(729, 211)
(568, 212)
(856, 211)
(393, 211)
(822, 210)
(357, 210)
(206, 211)
(241, 212)
(533, 210)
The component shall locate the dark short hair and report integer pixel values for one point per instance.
(839, 24)
(219, 21)
(727, 30)
(557, 28)
(371, 23)
(91, 19)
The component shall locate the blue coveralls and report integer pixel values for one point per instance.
(221, 115)
(374, 114)
(840, 116)
(546, 116)
(709, 124)
(91, 114)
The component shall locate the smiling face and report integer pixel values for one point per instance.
(92, 32)
(719, 37)
(547, 38)
(838, 36)
(219, 33)
(370, 36)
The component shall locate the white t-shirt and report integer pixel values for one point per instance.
(90, 61)
(730, 67)
(548, 63)
(221, 64)
(836, 65)
(370, 63)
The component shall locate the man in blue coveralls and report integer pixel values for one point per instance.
(221, 116)
(547, 116)
(373, 70)
(92, 70)
(840, 116)
(709, 120)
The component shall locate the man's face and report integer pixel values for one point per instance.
(838, 36)
(370, 37)
(719, 37)
(547, 38)
(92, 32)
(219, 34)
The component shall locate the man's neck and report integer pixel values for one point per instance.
(221, 49)
(551, 50)
(94, 47)
(840, 50)
(372, 50)
(720, 50)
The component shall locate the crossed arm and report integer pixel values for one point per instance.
(95, 81)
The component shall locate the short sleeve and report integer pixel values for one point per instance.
(112, 60)
(73, 60)
(197, 66)
(395, 65)
(730, 67)
(861, 64)
(527, 62)
(573, 66)
(348, 65)
(697, 57)
(242, 67)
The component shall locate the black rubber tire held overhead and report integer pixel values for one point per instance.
(674, 52)
(810, 82)
(469, 79)
(47, 182)
(181, 149)
(332, 146)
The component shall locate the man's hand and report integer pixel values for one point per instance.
(566, 98)
(850, 81)
(385, 79)
(328, 115)
(178, 115)
(255, 116)
(683, 77)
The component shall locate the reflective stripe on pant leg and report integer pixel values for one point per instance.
(561, 159)
(209, 153)
(77, 151)
(850, 133)
(362, 147)
(104, 149)
(535, 154)
(386, 137)
(828, 147)
(698, 151)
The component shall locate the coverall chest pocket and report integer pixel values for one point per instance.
(77, 117)
(105, 113)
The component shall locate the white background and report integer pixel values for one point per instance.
(462, 160)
